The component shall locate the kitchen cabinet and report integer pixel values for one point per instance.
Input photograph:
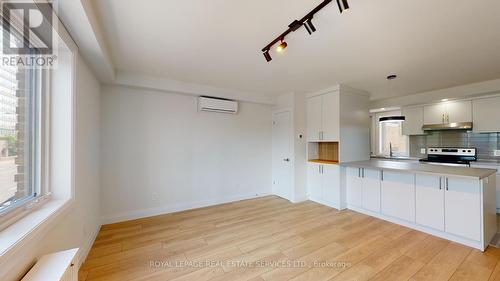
(314, 180)
(370, 193)
(354, 184)
(323, 183)
(497, 187)
(448, 112)
(462, 207)
(314, 118)
(398, 195)
(486, 115)
(429, 201)
(414, 120)
(323, 117)
(331, 184)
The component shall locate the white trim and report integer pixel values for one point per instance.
(84, 250)
(34, 226)
(137, 214)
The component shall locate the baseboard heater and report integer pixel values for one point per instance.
(60, 266)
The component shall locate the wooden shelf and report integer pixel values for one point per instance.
(321, 161)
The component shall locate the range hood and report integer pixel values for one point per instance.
(448, 126)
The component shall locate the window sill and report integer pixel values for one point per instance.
(33, 226)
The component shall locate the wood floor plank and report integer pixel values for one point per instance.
(259, 239)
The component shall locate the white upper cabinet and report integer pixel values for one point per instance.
(323, 118)
(459, 111)
(314, 118)
(486, 115)
(448, 112)
(414, 120)
(435, 114)
(330, 116)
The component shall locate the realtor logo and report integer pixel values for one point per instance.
(36, 22)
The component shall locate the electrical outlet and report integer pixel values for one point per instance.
(423, 151)
(497, 153)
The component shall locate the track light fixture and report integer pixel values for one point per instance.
(267, 56)
(343, 5)
(281, 47)
(309, 26)
(306, 21)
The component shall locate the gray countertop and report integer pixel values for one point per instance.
(402, 166)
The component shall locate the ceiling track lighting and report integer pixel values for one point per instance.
(306, 21)
(343, 5)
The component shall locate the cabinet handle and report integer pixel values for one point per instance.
(440, 183)
(448, 118)
(446, 184)
(382, 175)
(319, 169)
(359, 172)
(363, 172)
(442, 118)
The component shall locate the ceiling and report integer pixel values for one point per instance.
(429, 44)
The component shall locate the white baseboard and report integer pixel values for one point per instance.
(137, 214)
(85, 249)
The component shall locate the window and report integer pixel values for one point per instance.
(20, 135)
(389, 138)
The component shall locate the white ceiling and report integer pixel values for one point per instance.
(429, 44)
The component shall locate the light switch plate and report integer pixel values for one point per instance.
(423, 151)
(497, 153)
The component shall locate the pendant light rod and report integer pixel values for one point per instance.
(296, 24)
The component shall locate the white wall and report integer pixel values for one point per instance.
(159, 154)
(78, 227)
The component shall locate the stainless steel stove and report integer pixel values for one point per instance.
(451, 156)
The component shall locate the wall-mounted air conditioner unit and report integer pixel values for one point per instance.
(217, 105)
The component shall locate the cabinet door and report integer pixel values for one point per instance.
(463, 208)
(331, 184)
(486, 115)
(314, 180)
(354, 184)
(434, 114)
(414, 120)
(459, 111)
(371, 190)
(330, 116)
(398, 195)
(429, 209)
(314, 116)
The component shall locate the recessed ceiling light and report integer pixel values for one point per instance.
(443, 100)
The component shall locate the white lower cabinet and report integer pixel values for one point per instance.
(429, 201)
(323, 183)
(398, 195)
(449, 204)
(354, 185)
(462, 210)
(370, 193)
(331, 184)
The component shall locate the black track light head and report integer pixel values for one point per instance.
(267, 56)
(309, 26)
(343, 5)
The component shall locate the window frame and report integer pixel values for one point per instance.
(376, 137)
(37, 83)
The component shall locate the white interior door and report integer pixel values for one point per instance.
(282, 156)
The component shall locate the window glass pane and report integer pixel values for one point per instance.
(19, 109)
(392, 141)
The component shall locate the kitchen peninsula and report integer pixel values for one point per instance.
(454, 203)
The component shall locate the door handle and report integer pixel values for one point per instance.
(286, 159)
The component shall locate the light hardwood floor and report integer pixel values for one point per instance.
(271, 239)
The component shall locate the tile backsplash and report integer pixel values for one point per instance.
(486, 144)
